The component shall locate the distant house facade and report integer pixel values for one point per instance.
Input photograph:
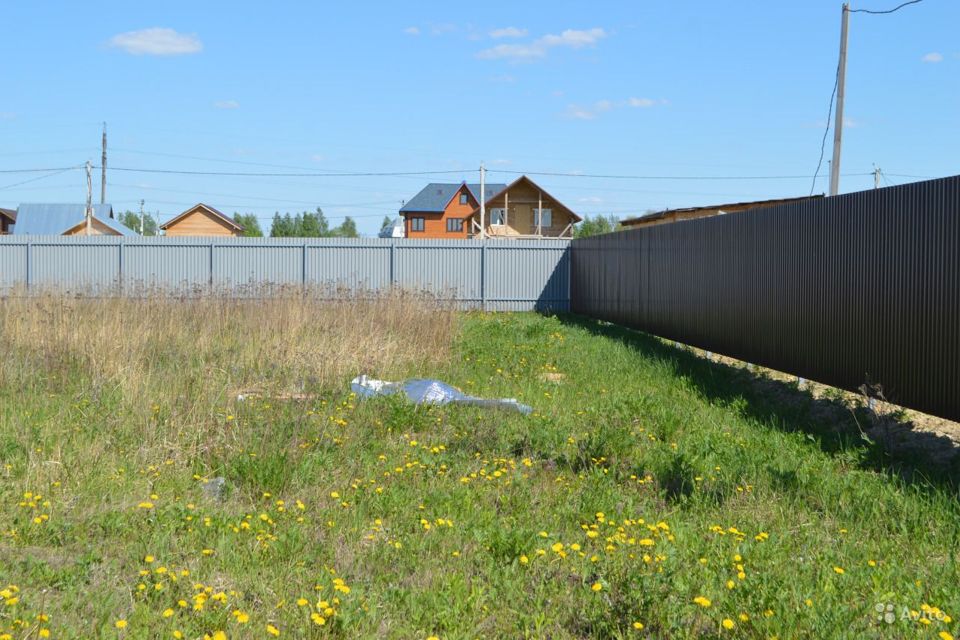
(8, 217)
(67, 220)
(691, 213)
(442, 210)
(521, 209)
(202, 220)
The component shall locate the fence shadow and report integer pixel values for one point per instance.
(892, 444)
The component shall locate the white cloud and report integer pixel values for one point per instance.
(412, 31)
(933, 56)
(226, 104)
(157, 41)
(571, 38)
(579, 112)
(508, 32)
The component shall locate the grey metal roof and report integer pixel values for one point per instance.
(55, 219)
(435, 196)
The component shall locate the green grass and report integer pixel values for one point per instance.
(665, 479)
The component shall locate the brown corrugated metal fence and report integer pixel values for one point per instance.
(853, 289)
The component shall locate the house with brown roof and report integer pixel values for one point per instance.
(690, 213)
(521, 209)
(8, 217)
(202, 220)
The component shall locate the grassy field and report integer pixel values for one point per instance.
(651, 494)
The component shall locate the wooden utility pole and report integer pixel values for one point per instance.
(88, 213)
(876, 177)
(838, 122)
(483, 202)
(103, 166)
(141, 216)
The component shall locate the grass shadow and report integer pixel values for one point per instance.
(887, 444)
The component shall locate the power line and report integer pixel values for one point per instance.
(826, 130)
(49, 175)
(640, 177)
(897, 8)
(79, 166)
(351, 174)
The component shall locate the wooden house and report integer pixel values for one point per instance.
(520, 209)
(8, 217)
(202, 220)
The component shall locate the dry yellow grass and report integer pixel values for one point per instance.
(207, 348)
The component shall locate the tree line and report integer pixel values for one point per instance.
(307, 224)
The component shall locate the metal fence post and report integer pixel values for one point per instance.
(303, 268)
(120, 265)
(29, 252)
(483, 275)
(393, 263)
(211, 267)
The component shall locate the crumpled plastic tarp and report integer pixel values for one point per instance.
(426, 391)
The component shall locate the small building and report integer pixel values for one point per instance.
(520, 209)
(393, 230)
(8, 217)
(67, 220)
(523, 210)
(202, 220)
(691, 213)
(441, 210)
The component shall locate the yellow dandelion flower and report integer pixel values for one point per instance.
(302, 602)
(272, 630)
(120, 624)
(728, 623)
(943, 635)
(838, 570)
(167, 613)
(638, 625)
(596, 586)
(703, 602)
(145, 505)
(524, 559)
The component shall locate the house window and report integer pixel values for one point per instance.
(463, 198)
(454, 225)
(416, 224)
(543, 217)
(497, 217)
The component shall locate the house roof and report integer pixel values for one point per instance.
(755, 204)
(9, 214)
(57, 219)
(227, 220)
(435, 197)
(507, 187)
(389, 230)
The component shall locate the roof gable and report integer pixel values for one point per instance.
(526, 180)
(435, 197)
(223, 218)
(9, 214)
(56, 219)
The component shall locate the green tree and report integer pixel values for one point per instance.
(131, 220)
(596, 225)
(348, 229)
(282, 226)
(250, 224)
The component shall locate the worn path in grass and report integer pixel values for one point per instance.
(651, 495)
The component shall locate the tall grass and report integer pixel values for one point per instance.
(287, 341)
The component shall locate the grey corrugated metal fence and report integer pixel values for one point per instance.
(854, 289)
(497, 275)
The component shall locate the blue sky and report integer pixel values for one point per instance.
(663, 88)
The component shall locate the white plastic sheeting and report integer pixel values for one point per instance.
(426, 391)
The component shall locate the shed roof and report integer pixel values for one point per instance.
(227, 220)
(435, 197)
(57, 219)
(9, 214)
(755, 204)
